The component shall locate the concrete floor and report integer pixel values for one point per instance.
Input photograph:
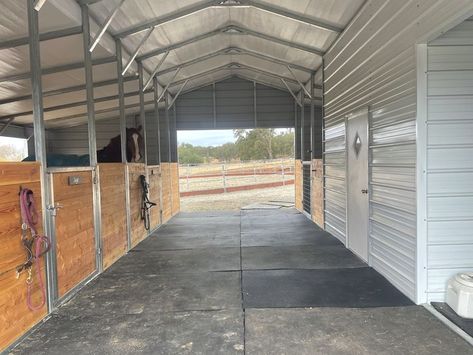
(255, 282)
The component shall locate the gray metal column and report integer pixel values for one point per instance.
(121, 106)
(173, 129)
(40, 150)
(302, 125)
(89, 89)
(214, 102)
(312, 116)
(254, 104)
(156, 113)
(168, 126)
(142, 109)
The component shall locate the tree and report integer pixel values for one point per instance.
(188, 154)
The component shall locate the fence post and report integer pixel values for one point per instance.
(187, 176)
(224, 178)
(254, 171)
(282, 173)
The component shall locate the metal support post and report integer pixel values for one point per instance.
(40, 150)
(121, 107)
(312, 117)
(142, 110)
(89, 84)
(158, 133)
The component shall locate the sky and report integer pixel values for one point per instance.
(208, 138)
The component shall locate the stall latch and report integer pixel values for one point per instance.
(53, 209)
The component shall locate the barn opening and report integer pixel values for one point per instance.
(378, 94)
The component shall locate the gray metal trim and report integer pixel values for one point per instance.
(312, 119)
(214, 102)
(40, 147)
(156, 113)
(255, 104)
(168, 127)
(234, 30)
(71, 31)
(202, 6)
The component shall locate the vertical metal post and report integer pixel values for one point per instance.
(142, 110)
(174, 157)
(121, 106)
(214, 104)
(40, 149)
(312, 117)
(158, 133)
(89, 89)
(168, 126)
(302, 126)
(254, 104)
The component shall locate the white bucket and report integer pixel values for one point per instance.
(460, 294)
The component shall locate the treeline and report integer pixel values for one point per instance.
(256, 144)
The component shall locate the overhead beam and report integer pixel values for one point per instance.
(230, 30)
(138, 48)
(169, 84)
(299, 82)
(71, 31)
(88, 2)
(241, 3)
(234, 51)
(155, 71)
(291, 92)
(57, 69)
(6, 125)
(38, 4)
(178, 93)
(66, 90)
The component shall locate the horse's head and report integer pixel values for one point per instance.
(134, 144)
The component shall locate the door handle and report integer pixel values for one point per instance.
(364, 191)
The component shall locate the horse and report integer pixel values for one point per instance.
(111, 153)
(134, 148)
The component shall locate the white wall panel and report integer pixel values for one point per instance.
(373, 64)
(449, 150)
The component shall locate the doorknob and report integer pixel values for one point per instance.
(364, 191)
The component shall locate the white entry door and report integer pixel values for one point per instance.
(357, 184)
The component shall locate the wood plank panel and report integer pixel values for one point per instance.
(74, 223)
(138, 231)
(154, 177)
(298, 185)
(317, 191)
(175, 196)
(113, 204)
(167, 191)
(15, 316)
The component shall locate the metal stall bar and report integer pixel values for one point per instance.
(168, 126)
(312, 116)
(89, 84)
(121, 108)
(40, 151)
(142, 109)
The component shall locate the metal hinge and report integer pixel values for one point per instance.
(95, 180)
(53, 209)
(99, 251)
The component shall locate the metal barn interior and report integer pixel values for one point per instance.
(380, 93)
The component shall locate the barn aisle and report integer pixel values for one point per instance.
(254, 282)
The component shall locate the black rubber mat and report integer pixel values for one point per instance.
(352, 288)
(463, 323)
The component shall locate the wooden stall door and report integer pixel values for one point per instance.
(175, 198)
(317, 192)
(113, 213)
(167, 191)
(15, 316)
(154, 177)
(74, 224)
(138, 230)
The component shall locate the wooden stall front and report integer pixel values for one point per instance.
(74, 228)
(154, 180)
(113, 212)
(317, 191)
(175, 196)
(138, 230)
(15, 316)
(298, 185)
(167, 191)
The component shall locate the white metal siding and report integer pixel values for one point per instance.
(449, 157)
(373, 63)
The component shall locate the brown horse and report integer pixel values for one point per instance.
(134, 148)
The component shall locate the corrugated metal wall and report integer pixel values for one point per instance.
(373, 64)
(234, 107)
(449, 157)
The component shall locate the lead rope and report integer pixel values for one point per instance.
(35, 245)
(146, 204)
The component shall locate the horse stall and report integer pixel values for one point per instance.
(154, 181)
(138, 228)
